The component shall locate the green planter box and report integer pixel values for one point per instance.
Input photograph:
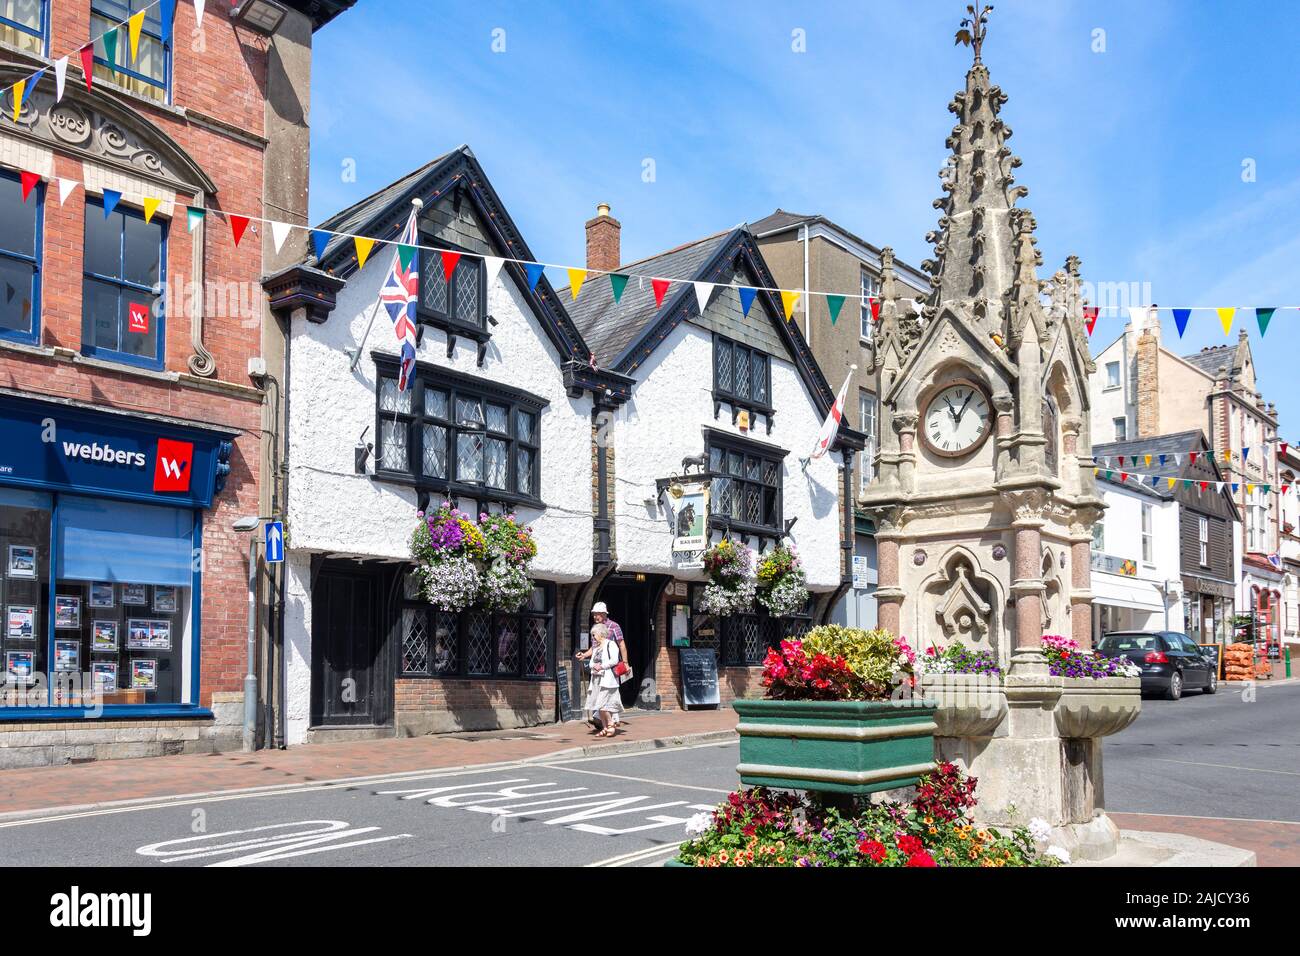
(853, 747)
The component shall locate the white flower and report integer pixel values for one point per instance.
(1040, 829)
(1060, 854)
(700, 823)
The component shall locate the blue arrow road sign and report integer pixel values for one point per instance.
(274, 542)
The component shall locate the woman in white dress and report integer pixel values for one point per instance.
(604, 699)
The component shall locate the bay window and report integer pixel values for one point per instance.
(20, 258)
(459, 435)
(746, 485)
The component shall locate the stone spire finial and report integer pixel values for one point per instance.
(897, 333)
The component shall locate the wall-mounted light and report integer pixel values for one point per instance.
(261, 16)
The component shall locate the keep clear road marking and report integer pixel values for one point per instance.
(309, 837)
(517, 797)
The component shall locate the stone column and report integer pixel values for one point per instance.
(889, 593)
(1027, 508)
(905, 424)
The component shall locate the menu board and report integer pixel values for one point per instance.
(699, 667)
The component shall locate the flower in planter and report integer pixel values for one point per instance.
(957, 658)
(1040, 830)
(1065, 658)
(1060, 854)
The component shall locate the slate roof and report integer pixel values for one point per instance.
(609, 327)
(1175, 443)
(781, 220)
(320, 11)
(1209, 360)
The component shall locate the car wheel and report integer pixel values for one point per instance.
(1175, 686)
(1211, 685)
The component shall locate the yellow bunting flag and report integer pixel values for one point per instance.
(19, 88)
(150, 207)
(1171, 481)
(1225, 319)
(788, 299)
(133, 29)
(1148, 461)
(363, 250)
(1227, 455)
(576, 278)
(1250, 489)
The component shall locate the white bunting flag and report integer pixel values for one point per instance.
(60, 74)
(279, 233)
(66, 186)
(198, 12)
(702, 292)
(1137, 314)
(1178, 458)
(493, 265)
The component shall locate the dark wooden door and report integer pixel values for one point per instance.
(349, 678)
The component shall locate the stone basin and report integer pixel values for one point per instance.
(1097, 708)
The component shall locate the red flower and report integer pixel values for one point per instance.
(873, 850)
(921, 858)
(910, 845)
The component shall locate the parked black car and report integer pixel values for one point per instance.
(1170, 662)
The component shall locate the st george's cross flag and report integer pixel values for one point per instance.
(831, 427)
(400, 292)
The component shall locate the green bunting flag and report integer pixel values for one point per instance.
(194, 216)
(1264, 317)
(110, 48)
(617, 284)
(834, 303)
(405, 255)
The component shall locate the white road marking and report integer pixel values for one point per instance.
(321, 836)
(657, 783)
(638, 856)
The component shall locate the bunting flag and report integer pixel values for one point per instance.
(1090, 317)
(20, 93)
(134, 25)
(1225, 319)
(747, 298)
(875, 310)
(1171, 481)
(60, 77)
(1192, 456)
(198, 13)
(66, 186)
(111, 198)
(1282, 446)
(617, 284)
(239, 223)
(534, 271)
(576, 278)
(319, 240)
(1245, 453)
(1123, 476)
(362, 244)
(279, 233)
(194, 217)
(1148, 461)
(1180, 319)
(493, 266)
(788, 299)
(1121, 461)
(29, 183)
(702, 292)
(88, 64)
(834, 303)
(660, 287)
(1227, 455)
(1264, 317)
(150, 207)
(449, 262)
(166, 13)
(110, 48)
(1137, 314)
(1204, 486)
(1162, 460)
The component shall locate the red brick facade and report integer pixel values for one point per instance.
(217, 118)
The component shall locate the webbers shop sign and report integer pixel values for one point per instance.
(58, 447)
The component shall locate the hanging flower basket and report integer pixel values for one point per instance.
(730, 589)
(782, 584)
(462, 563)
(509, 549)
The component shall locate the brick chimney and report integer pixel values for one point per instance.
(603, 245)
(1148, 384)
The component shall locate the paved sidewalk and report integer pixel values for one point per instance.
(110, 781)
(1274, 842)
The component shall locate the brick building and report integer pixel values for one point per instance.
(131, 340)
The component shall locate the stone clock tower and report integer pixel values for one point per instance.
(986, 495)
(985, 498)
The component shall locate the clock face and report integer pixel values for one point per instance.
(957, 420)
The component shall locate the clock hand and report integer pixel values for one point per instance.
(964, 406)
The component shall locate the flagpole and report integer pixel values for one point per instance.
(804, 462)
(418, 203)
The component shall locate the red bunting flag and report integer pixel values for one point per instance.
(1123, 476)
(1090, 317)
(1121, 460)
(237, 226)
(29, 181)
(1282, 447)
(1194, 456)
(449, 260)
(1204, 485)
(875, 310)
(88, 63)
(660, 287)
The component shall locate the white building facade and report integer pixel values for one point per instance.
(1136, 573)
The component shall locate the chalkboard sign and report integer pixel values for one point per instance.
(1211, 652)
(699, 675)
(562, 697)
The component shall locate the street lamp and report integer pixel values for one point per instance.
(263, 16)
(244, 525)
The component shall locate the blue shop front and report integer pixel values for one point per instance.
(101, 570)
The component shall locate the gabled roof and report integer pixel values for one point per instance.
(1176, 443)
(610, 327)
(782, 221)
(383, 214)
(626, 333)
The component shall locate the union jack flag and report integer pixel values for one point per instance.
(400, 292)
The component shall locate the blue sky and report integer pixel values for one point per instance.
(1133, 156)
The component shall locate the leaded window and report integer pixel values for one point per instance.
(454, 433)
(741, 375)
(458, 304)
(743, 640)
(746, 486)
(477, 643)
